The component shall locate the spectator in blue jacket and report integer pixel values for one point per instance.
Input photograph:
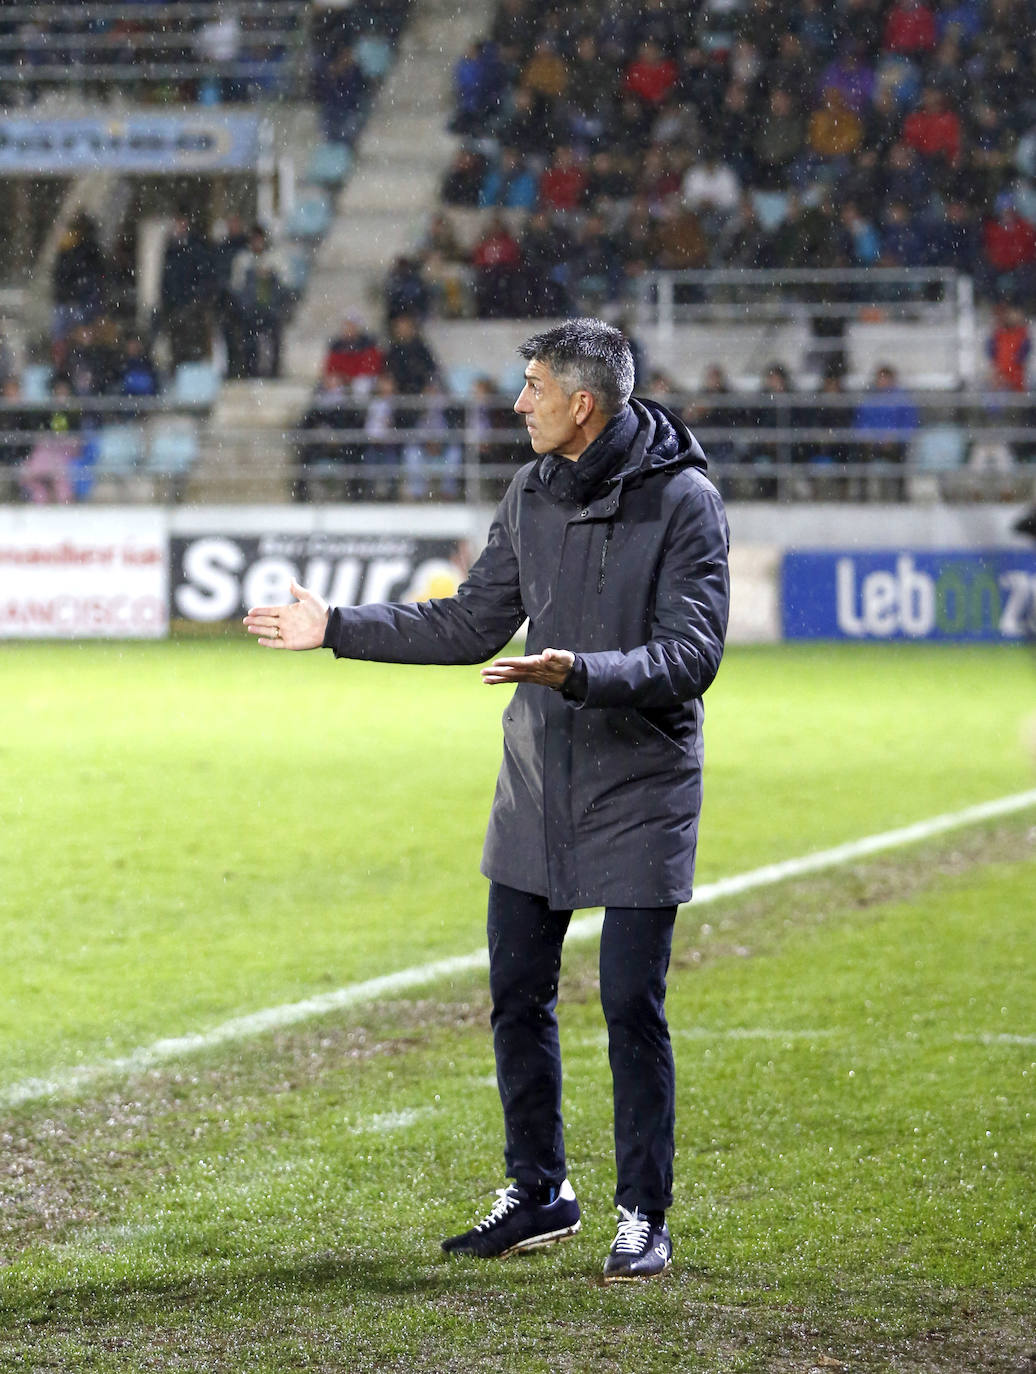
(510, 183)
(885, 421)
(479, 79)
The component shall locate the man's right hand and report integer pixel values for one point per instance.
(299, 625)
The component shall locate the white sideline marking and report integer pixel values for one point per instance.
(585, 927)
(989, 1038)
(390, 1121)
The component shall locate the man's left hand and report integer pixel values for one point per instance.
(549, 668)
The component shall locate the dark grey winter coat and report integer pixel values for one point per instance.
(621, 558)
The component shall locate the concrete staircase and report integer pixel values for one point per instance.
(248, 459)
(399, 165)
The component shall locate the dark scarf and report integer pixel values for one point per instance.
(582, 480)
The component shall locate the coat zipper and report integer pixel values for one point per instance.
(604, 555)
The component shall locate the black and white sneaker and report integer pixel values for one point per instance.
(516, 1223)
(640, 1249)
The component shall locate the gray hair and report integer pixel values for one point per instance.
(586, 355)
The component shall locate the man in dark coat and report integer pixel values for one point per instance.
(187, 290)
(613, 543)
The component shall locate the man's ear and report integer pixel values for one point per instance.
(584, 407)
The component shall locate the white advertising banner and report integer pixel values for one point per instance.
(83, 574)
(754, 612)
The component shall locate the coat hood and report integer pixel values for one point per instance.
(642, 438)
(662, 440)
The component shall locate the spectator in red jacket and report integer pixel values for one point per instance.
(651, 75)
(1009, 252)
(563, 183)
(910, 28)
(353, 355)
(1010, 240)
(933, 129)
(497, 260)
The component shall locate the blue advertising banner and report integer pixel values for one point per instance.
(153, 143)
(894, 594)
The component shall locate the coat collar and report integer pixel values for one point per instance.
(585, 479)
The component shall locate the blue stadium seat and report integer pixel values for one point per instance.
(36, 382)
(311, 217)
(120, 449)
(771, 208)
(461, 378)
(328, 165)
(195, 384)
(172, 446)
(373, 55)
(512, 379)
(938, 449)
(297, 261)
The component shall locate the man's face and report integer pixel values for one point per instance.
(549, 412)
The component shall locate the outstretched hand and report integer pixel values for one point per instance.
(299, 625)
(549, 668)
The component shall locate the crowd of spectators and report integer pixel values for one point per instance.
(684, 134)
(230, 284)
(350, 49)
(385, 423)
(223, 295)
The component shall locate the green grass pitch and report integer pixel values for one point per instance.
(196, 830)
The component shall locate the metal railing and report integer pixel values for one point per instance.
(786, 447)
(826, 304)
(101, 43)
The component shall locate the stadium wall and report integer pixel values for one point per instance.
(875, 573)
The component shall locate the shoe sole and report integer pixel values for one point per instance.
(540, 1242)
(532, 1243)
(637, 1278)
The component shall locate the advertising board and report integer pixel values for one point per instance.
(894, 594)
(156, 142)
(218, 576)
(75, 574)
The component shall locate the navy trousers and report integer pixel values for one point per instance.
(525, 940)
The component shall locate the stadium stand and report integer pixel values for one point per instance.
(184, 50)
(757, 190)
(137, 277)
(834, 193)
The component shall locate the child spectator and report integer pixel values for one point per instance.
(381, 452)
